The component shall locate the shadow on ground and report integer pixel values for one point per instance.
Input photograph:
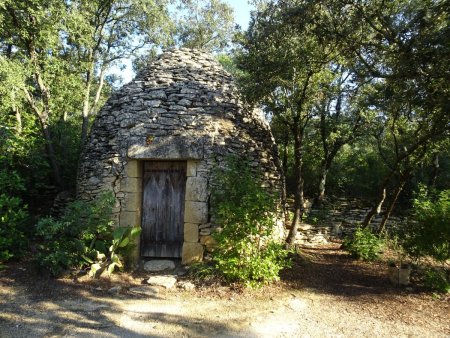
(332, 271)
(39, 306)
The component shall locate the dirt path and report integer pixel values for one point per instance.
(325, 295)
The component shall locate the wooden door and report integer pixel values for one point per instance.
(164, 184)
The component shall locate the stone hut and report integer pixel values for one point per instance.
(155, 142)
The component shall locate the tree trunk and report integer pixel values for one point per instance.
(18, 120)
(42, 116)
(285, 168)
(391, 205)
(85, 114)
(101, 83)
(318, 200)
(376, 209)
(42, 112)
(88, 108)
(298, 193)
(52, 156)
(435, 172)
(324, 169)
(321, 195)
(16, 113)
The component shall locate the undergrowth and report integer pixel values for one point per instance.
(247, 249)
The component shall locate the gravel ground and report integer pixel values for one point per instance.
(325, 294)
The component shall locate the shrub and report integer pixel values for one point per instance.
(12, 217)
(437, 280)
(246, 249)
(75, 240)
(363, 244)
(428, 232)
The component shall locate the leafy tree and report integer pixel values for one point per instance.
(207, 25)
(228, 62)
(284, 141)
(54, 57)
(397, 53)
(197, 24)
(338, 115)
(405, 53)
(428, 232)
(356, 170)
(102, 32)
(31, 37)
(340, 119)
(13, 213)
(437, 171)
(287, 60)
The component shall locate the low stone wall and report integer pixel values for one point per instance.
(337, 223)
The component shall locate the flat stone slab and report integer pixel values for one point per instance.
(167, 282)
(82, 306)
(168, 148)
(159, 265)
(115, 289)
(188, 286)
(144, 290)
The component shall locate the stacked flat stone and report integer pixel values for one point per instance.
(341, 221)
(184, 106)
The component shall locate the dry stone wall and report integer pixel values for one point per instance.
(184, 106)
(339, 221)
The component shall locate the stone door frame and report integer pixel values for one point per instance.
(195, 207)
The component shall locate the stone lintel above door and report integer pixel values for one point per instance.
(167, 148)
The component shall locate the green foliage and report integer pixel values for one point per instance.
(123, 240)
(207, 25)
(428, 233)
(13, 213)
(363, 244)
(228, 62)
(12, 237)
(75, 240)
(22, 155)
(394, 244)
(203, 272)
(12, 217)
(246, 248)
(356, 171)
(389, 86)
(53, 59)
(84, 236)
(437, 279)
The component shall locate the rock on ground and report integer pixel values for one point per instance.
(144, 290)
(159, 265)
(167, 282)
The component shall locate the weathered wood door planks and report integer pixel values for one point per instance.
(164, 185)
